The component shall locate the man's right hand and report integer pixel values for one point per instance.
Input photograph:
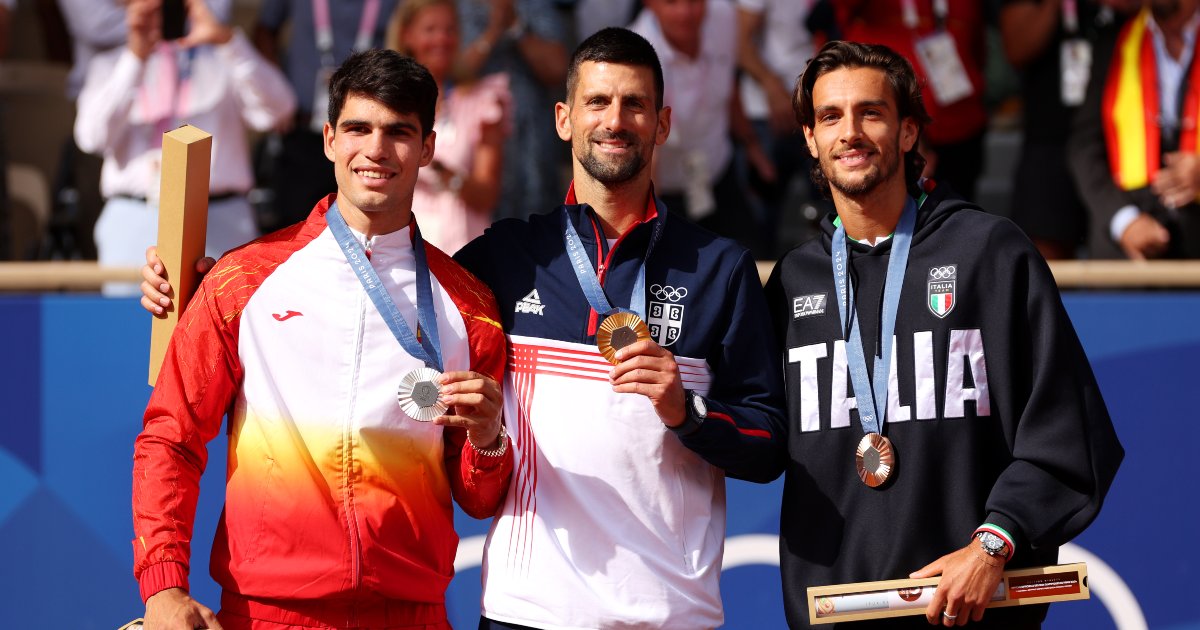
(156, 290)
(1144, 238)
(174, 609)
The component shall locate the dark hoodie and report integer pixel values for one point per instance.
(1000, 419)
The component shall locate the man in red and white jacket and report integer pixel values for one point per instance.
(338, 510)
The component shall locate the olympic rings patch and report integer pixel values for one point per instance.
(948, 272)
(668, 293)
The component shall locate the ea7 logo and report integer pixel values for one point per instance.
(809, 305)
(942, 282)
(531, 304)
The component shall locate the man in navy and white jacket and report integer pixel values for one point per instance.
(616, 512)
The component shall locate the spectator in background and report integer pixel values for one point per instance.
(211, 78)
(527, 40)
(1050, 43)
(455, 196)
(945, 42)
(1134, 147)
(774, 45)
(694, 174)
(322, 34)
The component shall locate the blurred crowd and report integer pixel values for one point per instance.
(1101, 92)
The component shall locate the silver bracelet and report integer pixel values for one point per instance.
(493, 452)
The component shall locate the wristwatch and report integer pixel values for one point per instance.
(993, 545)
(696, 413)
(502, 438)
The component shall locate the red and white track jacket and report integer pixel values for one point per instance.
(333, 493)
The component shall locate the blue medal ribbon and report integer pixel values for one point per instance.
(424, 347)
(590, 283)
(871, 395)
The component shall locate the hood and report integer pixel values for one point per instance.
(940, 202)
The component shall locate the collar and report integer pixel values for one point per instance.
(1189, 27)
(648, 216)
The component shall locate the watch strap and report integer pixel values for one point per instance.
(691, 420)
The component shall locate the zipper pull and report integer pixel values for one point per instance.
(600, 268)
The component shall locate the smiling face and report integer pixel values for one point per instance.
(612, 123)
(857, 136)
(431, 37)
(376, 153)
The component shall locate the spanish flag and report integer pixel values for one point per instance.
(1131, 107)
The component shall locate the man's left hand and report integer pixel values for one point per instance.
(475, 404)
(1178, 181)
(969, 579)
(646, 368)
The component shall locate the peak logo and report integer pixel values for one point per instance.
(531, 304)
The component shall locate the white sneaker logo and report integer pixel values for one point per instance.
(531, 304)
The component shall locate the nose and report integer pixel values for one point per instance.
(850, 129)
(614, 116)
(374, 145)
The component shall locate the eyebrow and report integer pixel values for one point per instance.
(630, 96)
(400, 125)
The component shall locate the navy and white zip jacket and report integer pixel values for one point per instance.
(610, 518)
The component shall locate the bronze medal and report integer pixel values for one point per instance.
(620, 330)
(418, 395)
(875, 459)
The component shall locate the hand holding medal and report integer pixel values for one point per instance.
(642, 366)
(474, 402)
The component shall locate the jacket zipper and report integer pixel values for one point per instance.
(348, 464)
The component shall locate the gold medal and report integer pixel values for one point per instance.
(418, 395)
(617, 331)
(875, 459)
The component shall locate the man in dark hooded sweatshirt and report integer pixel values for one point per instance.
(943, 418)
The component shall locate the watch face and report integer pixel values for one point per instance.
(992, 544)
(699, 406)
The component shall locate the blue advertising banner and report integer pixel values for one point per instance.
(72, 393)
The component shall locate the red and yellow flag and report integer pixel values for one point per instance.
(1131, 108)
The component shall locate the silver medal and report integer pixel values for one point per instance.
(418, 395)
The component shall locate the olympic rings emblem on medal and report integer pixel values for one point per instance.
(668, 292)
(943, 273)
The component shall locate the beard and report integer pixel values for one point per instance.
(613, 170)
(865, 182)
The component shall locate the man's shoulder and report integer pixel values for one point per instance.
(470, 293)
(506, 236)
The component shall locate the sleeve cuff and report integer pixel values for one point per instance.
(1121, 220)
(483, 462)
(162, 576)
(1005, 528)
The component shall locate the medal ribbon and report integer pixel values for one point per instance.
(872, 414)
(590, 283)
(426, 347)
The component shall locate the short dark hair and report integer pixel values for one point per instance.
(388, 77)
(620, 46)
(837, 55)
